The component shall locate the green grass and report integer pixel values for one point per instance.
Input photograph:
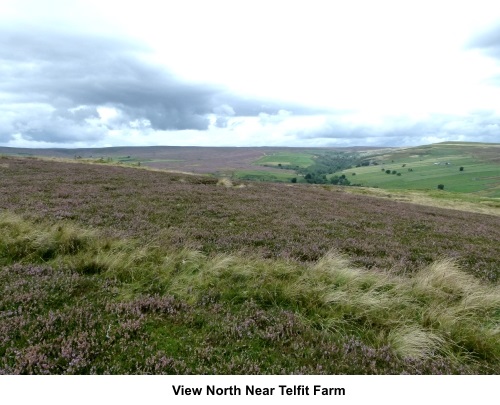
(286, 158)
(433, 165)
(76, 302)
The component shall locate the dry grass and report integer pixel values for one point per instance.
(225, 181)
(458, 202)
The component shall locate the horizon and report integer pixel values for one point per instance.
(258, 146)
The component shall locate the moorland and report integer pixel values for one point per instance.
(112, 267)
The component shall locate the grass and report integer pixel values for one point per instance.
(76, 301)
(300, 159)
(423, 168)
(435, 198)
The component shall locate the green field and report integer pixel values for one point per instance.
(424, 168)
(300, 159)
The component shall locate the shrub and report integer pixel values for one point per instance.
(440, 186)
(461, 168)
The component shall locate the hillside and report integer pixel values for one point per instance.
(202, 160)
(471, 168)
(109, 269)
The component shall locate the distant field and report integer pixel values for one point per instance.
(424, 168)
(299, 159)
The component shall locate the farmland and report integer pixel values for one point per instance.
(461, 168)
(286, 158)
(114, 269)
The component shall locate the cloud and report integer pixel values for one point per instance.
(488, 41)
(480, 126)
(70, 88)
(281, 116)
(68, 71)
(58, 81)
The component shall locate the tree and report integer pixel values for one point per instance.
(294, 180)
(461, 168)
(440, 186)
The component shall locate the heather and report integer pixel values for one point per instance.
(288, 221)
(116, 270)
(76, 301)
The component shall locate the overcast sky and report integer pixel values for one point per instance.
(99, 73)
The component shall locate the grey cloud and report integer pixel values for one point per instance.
(223, 113)
(77, 114)
(224, 109)
(67, 71)
(73, 75)
(58, 127)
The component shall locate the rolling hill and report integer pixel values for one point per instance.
(471, 168)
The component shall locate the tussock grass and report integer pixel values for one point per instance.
(21, 241)
(412, 341)
(225, 181)
(438, 313)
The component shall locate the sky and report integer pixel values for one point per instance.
(309, 73)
